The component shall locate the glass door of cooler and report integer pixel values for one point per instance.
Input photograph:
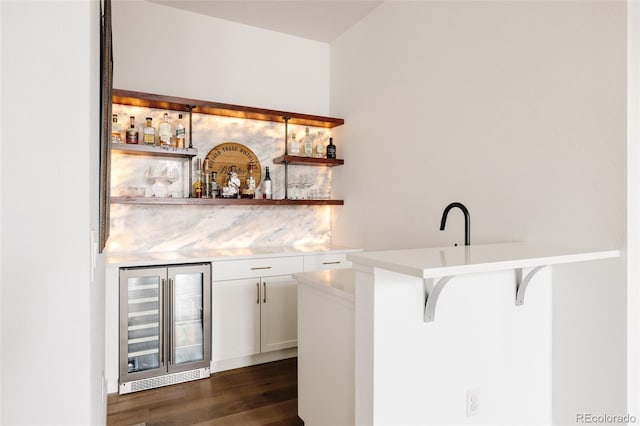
(142, 294)
(190, 318)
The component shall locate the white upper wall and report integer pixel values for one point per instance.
(159, 49)
(517, 110)
(52, 324)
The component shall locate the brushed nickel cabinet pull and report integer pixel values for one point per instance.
(258, 293)
(264, 284)
(256, 268)
(331, 263)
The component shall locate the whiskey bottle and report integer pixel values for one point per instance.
(331, 149)
(294, 146)
(132, 132)
(307, 144)
(165, 132)
(267, 185)
(149, 133)
(116, 130)
(180, 133)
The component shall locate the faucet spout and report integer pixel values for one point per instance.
(467, 220)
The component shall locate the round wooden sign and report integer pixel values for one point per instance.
(228, 154)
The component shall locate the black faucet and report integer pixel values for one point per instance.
(467, 220)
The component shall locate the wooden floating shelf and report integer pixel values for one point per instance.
(149, 100)
(295, 160)
(223, 201)
(158, 151)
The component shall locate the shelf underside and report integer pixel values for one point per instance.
(295, 160)
(223, 201)
(149, 100)
(139, 149)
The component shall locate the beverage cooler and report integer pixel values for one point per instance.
(165, 325)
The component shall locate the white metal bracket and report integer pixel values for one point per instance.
(432, 292)
(522, 284)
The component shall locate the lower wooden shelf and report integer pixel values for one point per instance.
(223, 201)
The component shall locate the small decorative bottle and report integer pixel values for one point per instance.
(116, 130)
(149, 133)
(180, 133)
(165, 132)
(307, 144)
(331, 149)
(294, 146)
(267, 185)
(132, 132)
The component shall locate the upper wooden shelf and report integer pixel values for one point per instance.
(223, 201)
(307, 161)
(138, 149)
(149, 100)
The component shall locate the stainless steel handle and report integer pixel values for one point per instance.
(264, 284)
(257, 268)
(258, 293)
(331, 263)
(163, 310)
(170, 327)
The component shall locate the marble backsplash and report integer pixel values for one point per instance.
(151, 228)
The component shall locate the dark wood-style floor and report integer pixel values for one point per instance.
(260, 395)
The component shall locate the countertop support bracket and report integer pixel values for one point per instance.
(432, 292)
(523, 283)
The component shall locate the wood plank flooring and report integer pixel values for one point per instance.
(260, 395)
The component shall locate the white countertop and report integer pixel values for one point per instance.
(339, 282)
(447, 261)
(192, 256)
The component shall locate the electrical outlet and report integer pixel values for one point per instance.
(473, 402)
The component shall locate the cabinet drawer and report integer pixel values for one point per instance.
(250, 268)
(319, 262)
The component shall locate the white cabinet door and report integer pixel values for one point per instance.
(279, 312)
(236, 318)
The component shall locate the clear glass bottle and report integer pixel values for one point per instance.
(197, 179)
(149, 132)
(165, 132)
(318, 152)
(294, 146)
(132, 132)
(180, 133)
(249, 190)
(267, 185)
(307, 144)
(116, 130)
(331, 149)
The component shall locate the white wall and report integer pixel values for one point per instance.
(159, 49)
(52, 323)
(633, 207)
(516, 109)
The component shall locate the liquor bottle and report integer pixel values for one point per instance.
(116, 130)
(180, 133)
(307, 144)
(318, 152)
(197, 179)
(206, 180)
(165, 132)
(294, 146)
(331, 149)
(149, 133)
(249, 190)
(132, 132)
(267, 185)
